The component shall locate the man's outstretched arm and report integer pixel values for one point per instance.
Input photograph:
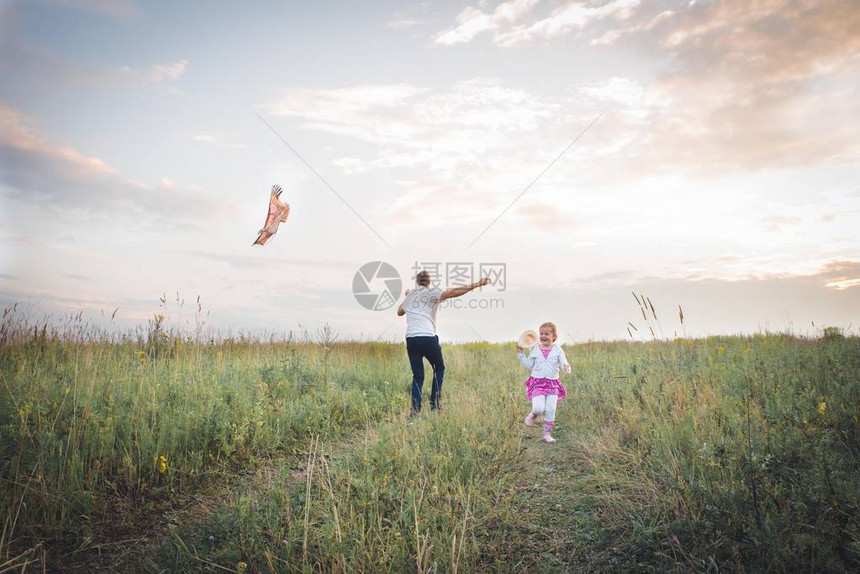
(457, 291)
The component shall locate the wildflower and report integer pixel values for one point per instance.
(97, 464)
(241, 567)
(162, 466)
(721, 350)
(25, 411)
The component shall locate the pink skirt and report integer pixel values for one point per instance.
(542, 387)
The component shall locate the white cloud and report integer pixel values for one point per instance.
(616, 90)
(776, 223)
(65, 182)
(206, 138)
(160, 73)
(844, 284)
(503, 21)
(472, 22)
(401, 23)
(573, 16)
(611, 36)
(448, 126)
(350, 165)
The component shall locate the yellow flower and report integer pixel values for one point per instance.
(721, 350)
(24, 411)
(162, 466)
(241, 567)
(822, 408)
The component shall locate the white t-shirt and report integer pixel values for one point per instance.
(420, 306)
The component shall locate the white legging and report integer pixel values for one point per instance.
(545, 404)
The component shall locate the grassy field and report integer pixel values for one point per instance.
(160, 452)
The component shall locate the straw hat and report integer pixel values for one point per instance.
(528, 339)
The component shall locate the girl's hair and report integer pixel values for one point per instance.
(551, 327)
(423, 278)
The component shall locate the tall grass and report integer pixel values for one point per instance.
(711, 454)
(86, 419)
(731, 453)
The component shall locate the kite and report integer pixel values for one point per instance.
(278, 213)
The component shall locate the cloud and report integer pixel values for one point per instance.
(615, 90)
(611, 36)
(350, 165)
(207, 138)
(167, 72)
(738, 86)
(766, 84)
(776, 223)
(467, 118)
(472, 22)
(503, 20)
(749, 86)
(216, 140)
(570, 17)
(544, 216)
(62, 181)
(401, 23)
(475, 138)
(841, 275)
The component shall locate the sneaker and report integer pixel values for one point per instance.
(547, 438)
(530, 419)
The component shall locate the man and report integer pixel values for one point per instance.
(422, 342)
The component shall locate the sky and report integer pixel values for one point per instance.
(703, 154)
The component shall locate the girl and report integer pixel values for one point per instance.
(544, 388)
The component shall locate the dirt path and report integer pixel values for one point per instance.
(557, 528)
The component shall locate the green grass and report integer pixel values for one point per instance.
(735, 453)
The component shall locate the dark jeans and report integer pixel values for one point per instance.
(418, 349)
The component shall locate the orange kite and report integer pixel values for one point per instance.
(278, 213)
